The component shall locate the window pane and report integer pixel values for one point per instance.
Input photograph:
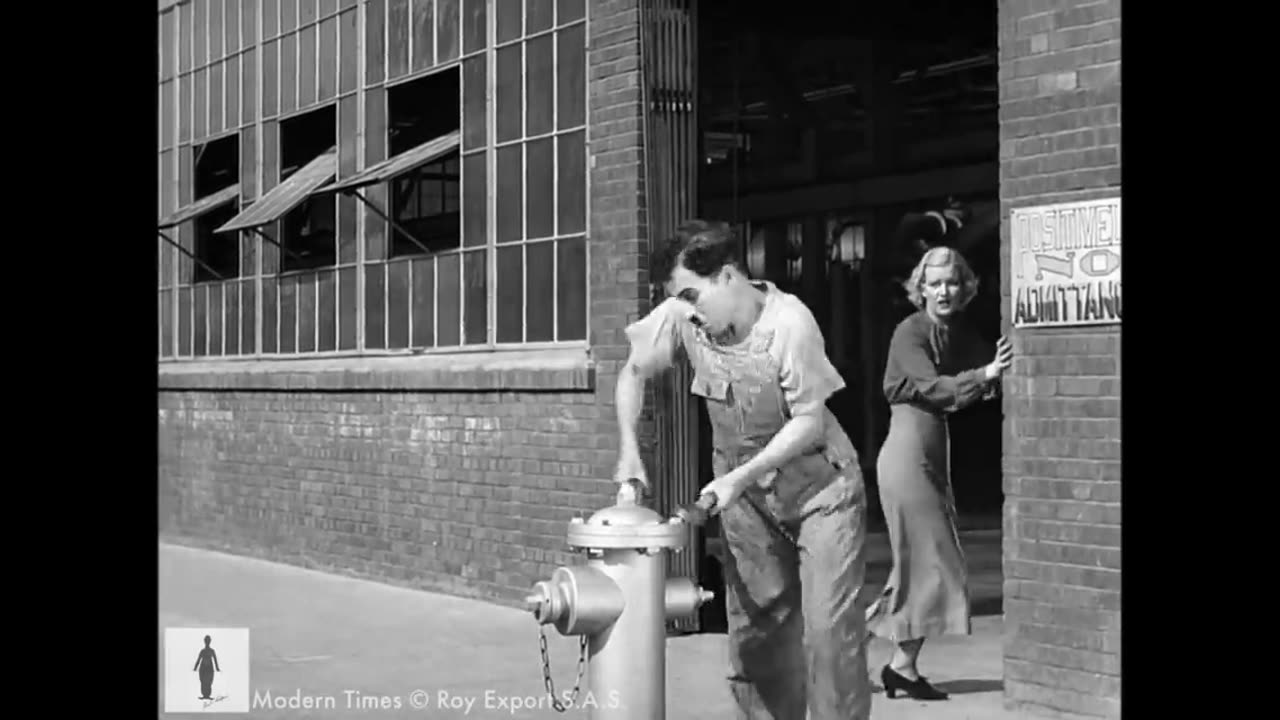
(510, 200)
(215, 318)
(248, 22)
(184, 322)
(307, 70)
(168, 192)
(217, 93)
(509, 20)
(289, 315)
(540, 184)
(216, 33)
(509, 95)
(348, 45)
(200, 108)
(184, 37)
(288, 73)
(572, 183)
(289, 14)
(200, 42)
(375, 41)
(307, 286)
(328, 59)
(249, 88)
(327, 320)
(541, 294)
(347, 308)
(475, 209)
(571, 288)
(424, 302)
(166, 323)
(270, 316)
(448, 301)
(375, 297)
(232, 27)
(200, 328)
(397, 305)
(473, 25)
(397, 38)
(270, 174)
(569, 10)
(571, 68)
(184, 108)
(270, 18)
(231, 78)
(476, 275)
(307, 12)
(168, 112)
(248, 317)
(448, 37)
(510, 294)
(474, 120)
(270, 79)
(540, 75)
(231, 302)
(538, 15)
(424, 32)
(231, 317)
(166, 34)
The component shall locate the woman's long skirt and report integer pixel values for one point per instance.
(926, 594)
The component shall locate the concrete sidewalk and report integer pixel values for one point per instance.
(319, 635)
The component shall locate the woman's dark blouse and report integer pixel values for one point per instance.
(936, 367)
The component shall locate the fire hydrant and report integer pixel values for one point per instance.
(618, 605)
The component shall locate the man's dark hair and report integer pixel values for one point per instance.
(702, 246)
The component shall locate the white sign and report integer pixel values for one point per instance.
(1065, 264)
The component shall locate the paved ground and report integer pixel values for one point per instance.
(318, 635)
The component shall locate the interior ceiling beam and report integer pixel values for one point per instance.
(867, 192)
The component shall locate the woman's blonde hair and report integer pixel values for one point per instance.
(942, 257)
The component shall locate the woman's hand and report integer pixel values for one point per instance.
(1003, 361)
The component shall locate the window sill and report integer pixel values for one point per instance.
(563, 370)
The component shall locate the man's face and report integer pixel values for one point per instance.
(712, 298)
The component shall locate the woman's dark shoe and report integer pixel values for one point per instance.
(918, 689)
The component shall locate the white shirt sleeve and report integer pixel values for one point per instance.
(656, 337)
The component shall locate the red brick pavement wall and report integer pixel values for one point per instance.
(454, 487)
(1060, 142)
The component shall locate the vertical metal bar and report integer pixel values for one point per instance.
(668, 47)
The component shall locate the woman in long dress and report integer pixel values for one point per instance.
(937, 365)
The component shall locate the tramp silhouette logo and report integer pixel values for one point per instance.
(206, 670)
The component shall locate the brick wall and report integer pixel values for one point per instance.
(1060, 142)
(431, 479)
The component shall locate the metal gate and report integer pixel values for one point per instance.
(668, 51)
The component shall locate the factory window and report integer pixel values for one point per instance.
(217, 168)
(308, 232)
(540, 127)
(425, 201)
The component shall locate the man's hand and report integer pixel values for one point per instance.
(726, 489)
(631, 466)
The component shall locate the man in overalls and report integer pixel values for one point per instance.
(787, 486)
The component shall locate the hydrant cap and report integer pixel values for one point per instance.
(627, 524)
(625, 516)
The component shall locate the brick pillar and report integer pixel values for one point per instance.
(618, 244)
(1060, 142)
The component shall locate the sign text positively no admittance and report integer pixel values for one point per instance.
(1066, 264)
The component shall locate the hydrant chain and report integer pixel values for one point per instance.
(546, 672)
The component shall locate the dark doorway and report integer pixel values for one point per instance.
(819, 129)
